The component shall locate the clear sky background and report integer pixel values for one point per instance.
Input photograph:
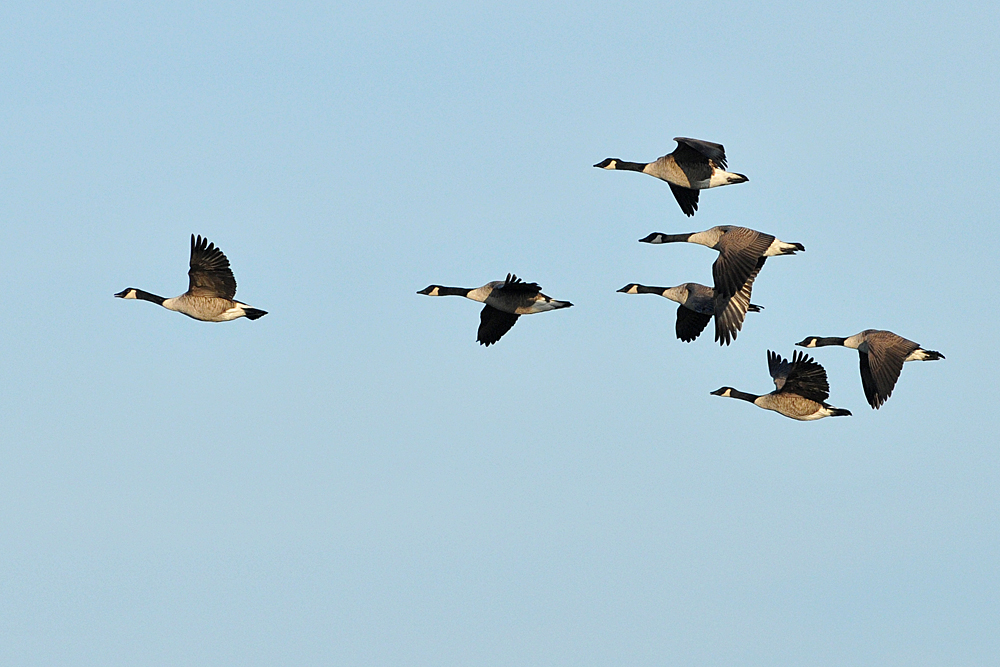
(353, 480)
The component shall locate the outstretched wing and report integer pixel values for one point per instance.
(741, 253)
(686, 197)
(696, 150)
(209, 274)
(805, 378)
(690, 324)
(881, 366)
(493, 324)
(729, 313)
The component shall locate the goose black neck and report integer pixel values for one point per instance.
(743, 396)
(453, 291)
(657, 237)
(630, 166)
(822, 342)
(649, 289)
(145, 296)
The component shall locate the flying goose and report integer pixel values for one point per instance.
(801, 389)
(742, 253)
(211, 288)
(697, 306)
(694, 165)
(882, 356)
(505, 300)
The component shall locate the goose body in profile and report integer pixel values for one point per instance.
(693, 166)
(882, 355)
(801, 389)
(211, 288)
(697, 307)
(506, 300)
(742, 253)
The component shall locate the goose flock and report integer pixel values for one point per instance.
(801, 385)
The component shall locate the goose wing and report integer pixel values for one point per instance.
(493, 324)
(802, 376)
(513, 293)
(882, 364)
(690, 324)
(741, 253)
(209, 274)
(686, 197)
(729, 313)
(514, 285)
(696, 150)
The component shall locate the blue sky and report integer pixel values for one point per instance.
(352, 480)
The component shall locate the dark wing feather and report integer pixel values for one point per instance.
(729, 313)
(806, 378)
(515, 285)
(868, 383)
(690, 324)
(493, 324)
(696, 150)
(778, 368)
(885, 358)
(209, 274)
(686, 197)
(741, 253)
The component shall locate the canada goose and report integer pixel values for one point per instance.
(211, 288)
(505, 300)
(742, 253)
(697, 306)
(801, 389)
(882, 356)
(694, 165)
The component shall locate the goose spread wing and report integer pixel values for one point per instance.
(696, 150)
(209, 274)
(514, 285)
(493, 324)
(690, 324)
(802, 376)
(741, 253)
(686, 197)
(730, 312)
(882, 364)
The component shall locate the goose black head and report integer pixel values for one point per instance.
(431, 290)
(608, 163)
(127, 293)
(808, 342)
(631, 288)
(722, 391)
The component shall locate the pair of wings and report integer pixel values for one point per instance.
(729, 318)
(694, 153)
(494, 323)
(210, 274)
(730, 311)
(882, 364)
(801, 376)
(741, 257)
